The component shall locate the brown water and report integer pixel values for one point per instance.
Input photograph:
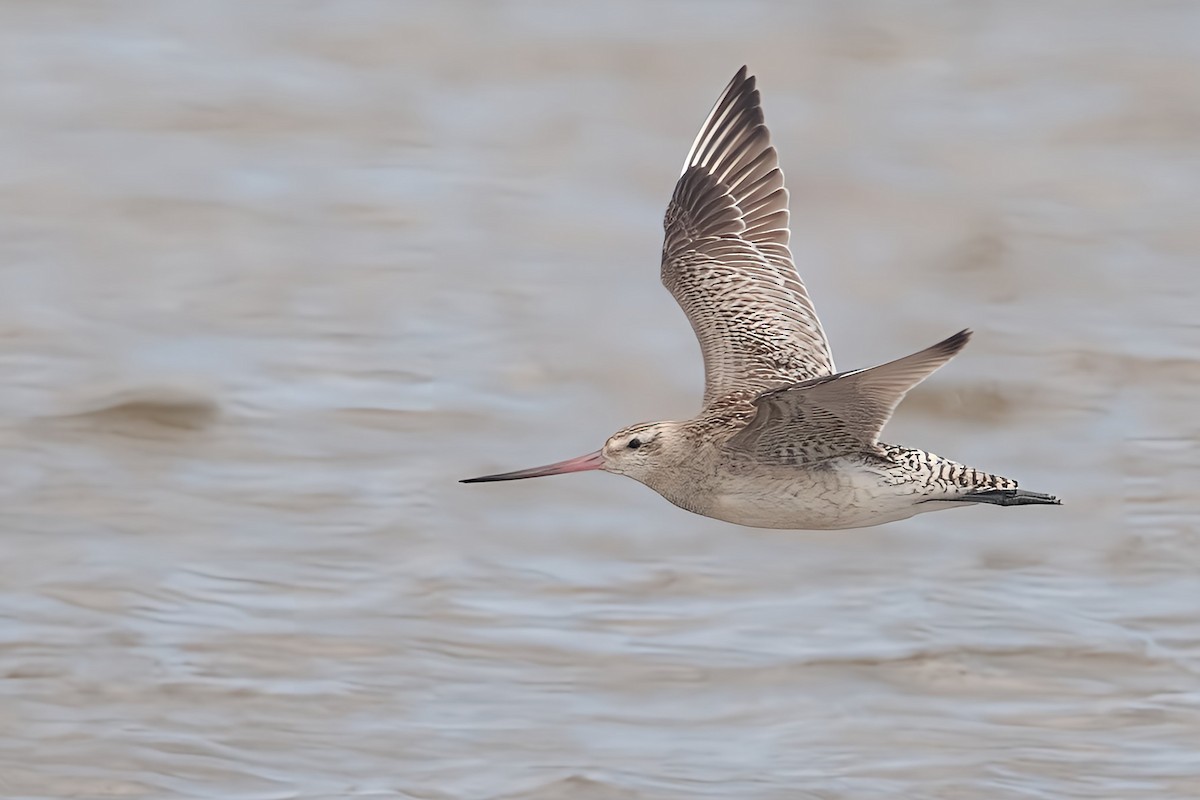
(271, 281)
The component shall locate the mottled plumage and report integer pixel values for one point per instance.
(782, 441)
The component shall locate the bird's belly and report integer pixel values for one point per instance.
(834, 496)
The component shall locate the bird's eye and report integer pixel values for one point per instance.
(634, 444)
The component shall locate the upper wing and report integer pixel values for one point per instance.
(839, 414)
(726, 258)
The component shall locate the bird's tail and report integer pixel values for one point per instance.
(941, 480)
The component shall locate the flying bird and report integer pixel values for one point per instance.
(782, 441)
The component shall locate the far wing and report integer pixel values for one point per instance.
(726, 258)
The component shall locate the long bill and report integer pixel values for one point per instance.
(583, 463)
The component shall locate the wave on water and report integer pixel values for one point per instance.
(168, 405)
(575, 787)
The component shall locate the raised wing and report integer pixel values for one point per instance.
(840, 414)
(726, 258)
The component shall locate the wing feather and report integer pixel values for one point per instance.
(726, 257)
(839, 414)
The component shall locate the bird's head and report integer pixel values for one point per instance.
(636, 451)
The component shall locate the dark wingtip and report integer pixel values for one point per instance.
(743, 82)
(1012, 497)
(952, 344)
(1024, 497)
(959, 340)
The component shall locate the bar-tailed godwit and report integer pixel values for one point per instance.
(782, 441)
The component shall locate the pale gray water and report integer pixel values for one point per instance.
(273, 277)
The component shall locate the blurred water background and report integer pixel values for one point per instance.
(274, 276)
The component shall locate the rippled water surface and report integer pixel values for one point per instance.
(273, 277)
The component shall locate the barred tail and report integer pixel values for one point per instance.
(946, 481)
